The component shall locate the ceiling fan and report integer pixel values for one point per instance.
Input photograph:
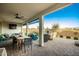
(19, 16)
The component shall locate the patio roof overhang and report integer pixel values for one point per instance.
(30, 11)
(27, 10)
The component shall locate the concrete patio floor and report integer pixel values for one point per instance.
(56, 47)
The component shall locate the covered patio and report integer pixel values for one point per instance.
(27, 13)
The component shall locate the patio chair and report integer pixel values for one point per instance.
(34, 36)
(2, 38)
(28, 44)
(46, 37)
(14, 44)
(77, 42)
(6, 36)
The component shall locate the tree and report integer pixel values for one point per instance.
(55, 27)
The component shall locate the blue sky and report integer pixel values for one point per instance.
(66, 18)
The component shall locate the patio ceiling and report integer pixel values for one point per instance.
(27, 10)
(8, 11)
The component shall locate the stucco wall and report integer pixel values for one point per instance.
(5, 28)
(0, 27)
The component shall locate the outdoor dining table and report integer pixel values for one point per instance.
(24, 40)
(21, 39)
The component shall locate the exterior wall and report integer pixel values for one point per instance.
(5, 28)
(0, 27)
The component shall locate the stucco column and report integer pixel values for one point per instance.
(41, 31)
(26, 28)
(21, 30)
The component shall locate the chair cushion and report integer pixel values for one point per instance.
(34, 37)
